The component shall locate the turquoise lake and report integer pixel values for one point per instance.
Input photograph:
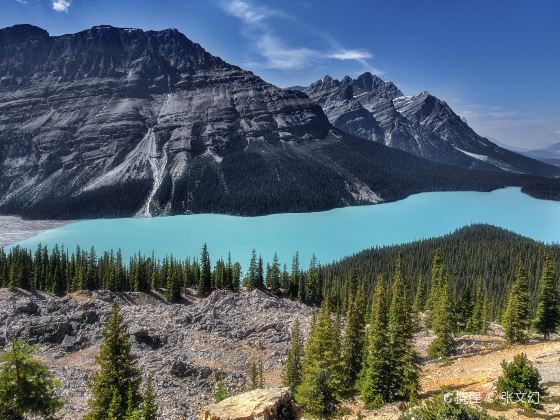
(329, 234)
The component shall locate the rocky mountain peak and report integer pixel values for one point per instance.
(21, 33)
(424, 125)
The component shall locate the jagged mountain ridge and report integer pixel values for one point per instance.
(119, 122)
(377, 110)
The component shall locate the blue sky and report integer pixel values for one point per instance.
(497, 63)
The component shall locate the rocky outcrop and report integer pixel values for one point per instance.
(374, 109)
(185, 347)
(260, 404)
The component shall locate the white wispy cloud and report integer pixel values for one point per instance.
(351, 55)
(22, 1)
(61, 5)
(278, 56)
(276, 53)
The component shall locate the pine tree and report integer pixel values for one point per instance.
(418, 305)
(221, 392)
(437, 272)
(404, 359)
(516, 315)
(320, 386)
(149, 408)
(251, 280)
(353, 342)
(114, 387)
(204, 286)
(291, 376)
(259, 281)
(173, 287)
(313, 287)
(476, 324)
(26, 385)
(375, 379)
(273, 280)
(547, 316)
(254, 376)
(520, 376)
(294, 278)
(443, 321)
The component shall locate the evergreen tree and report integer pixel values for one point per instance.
(437, 273)
(520, 376)
(114, 387)
(320, 386)
(259, 281)
(204, 286)
(251, 279)
(173, 289)
(375, 379)
(353, 342)
(291, 376)
(148, 408)
(476, 324)
(254, 376)
(404, 359)
(547, 316)
(236, 276)
(273, 280)
(418, 305)
(221, 392)
(293, 285)
(443, 321)
(313, 287)
(516, 315)
(26, 385)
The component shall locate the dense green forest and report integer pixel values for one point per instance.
(476, 257)
(472, 253)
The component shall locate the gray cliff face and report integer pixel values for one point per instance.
(423, 125)
(123, 109)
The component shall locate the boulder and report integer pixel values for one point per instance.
(259, 404)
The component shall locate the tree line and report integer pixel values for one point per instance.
(481, 263)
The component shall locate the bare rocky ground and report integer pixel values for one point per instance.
(184, 346)
(14, 229)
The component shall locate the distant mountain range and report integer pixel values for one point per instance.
(423, 125)
(550, 154)
(119, 122)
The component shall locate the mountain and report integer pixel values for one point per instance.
(121, 122)
(374, 109)
(550, 154)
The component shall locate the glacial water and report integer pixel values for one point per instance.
(329, 234)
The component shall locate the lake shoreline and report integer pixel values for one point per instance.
(14, 229)
(330, 235)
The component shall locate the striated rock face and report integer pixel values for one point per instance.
(260, 404)
(185, 347)
(373, 109)
(122, 122)
(148, 115)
